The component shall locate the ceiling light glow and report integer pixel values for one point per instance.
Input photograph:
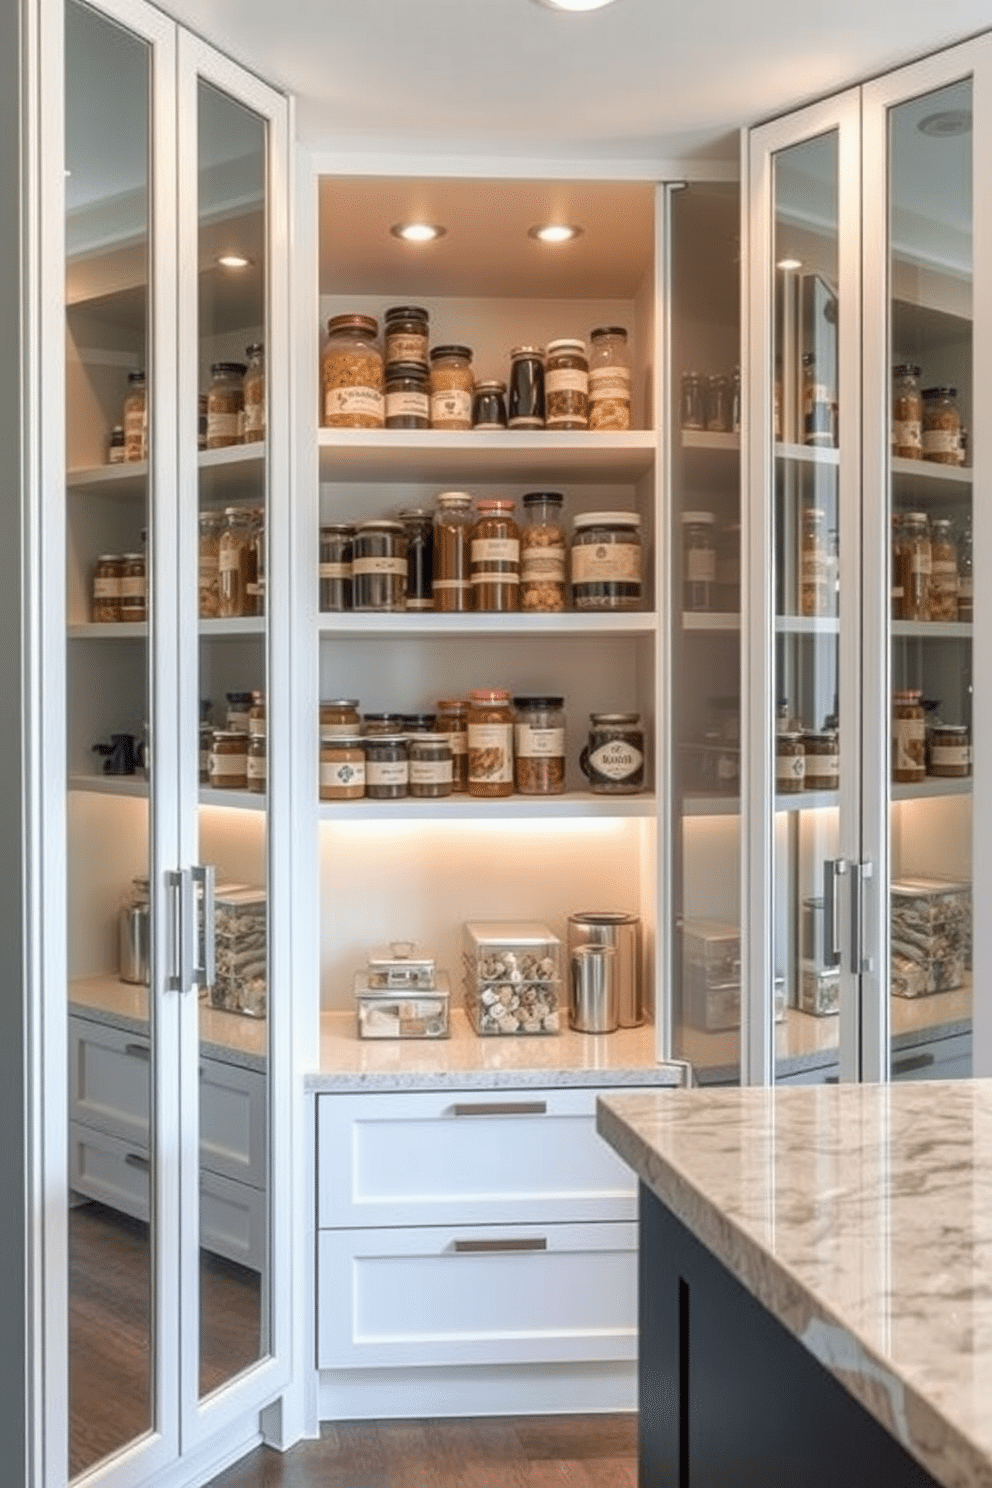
(945, 124)
(575, 4)
(233, 261)
(789, 263)
(417, 232)
(553, 232)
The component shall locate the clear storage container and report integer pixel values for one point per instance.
(241, 981)
(403, 1015)
(512, 977)
(400, 964)
(931, 935)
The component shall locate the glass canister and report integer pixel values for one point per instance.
(815, 595)
(116, 446)
(790, 763)
(406, 329)
(917, 565)
(543, 552)
(966, 575)
(255, 767)
(452, 559)
(606, 561)
(613, 759)
(941, 426)
(225, 404)
(943, 603)
(135, 416)
(339, 719)
(387, 767)
(106, 605)
(609, 378)
(539, 745)
(907, 412)
(719, 418)
(698, 561)
(525, 405)
(229, 760)
(495, 557)
(238, 716)
(692, 405)
(382, 723)
(419, 558)
(342, 768)
(566, 385)
(909, 750)
(379, 566)
(819, 426)
(431, 773)
(490, 743)
(821, 752)
(489, 405)
(234, 563)
(336, 554)
(452, 386)
(133, 588)
(351, 374)
(452, 721)
(211, 524)
(253, 422)
(949, 751)
(408, 405)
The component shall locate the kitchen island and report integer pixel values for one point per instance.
(815, 1284)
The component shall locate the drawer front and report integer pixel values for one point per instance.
(232, 1220)
(232, 1122)
(105, 1168)
(942, 1059)
(485, 1295)
(109, 1079)
(507, 1157)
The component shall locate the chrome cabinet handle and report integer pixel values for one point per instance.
(179, 883)
(498, 1247)
(833, 868)
(861, 874)
(138, 1051)
(135, 1160)
(911, 1062)
(501, 1108)
(205, 969)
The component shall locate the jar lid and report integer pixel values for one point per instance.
(382, 718)
(491, 385)
(406, 312)
(211, 517)
(452, 705)
(226, 735)
(227, 369)
(366, 324)
(490, 695)
(698, 518)
(615, 718)
(608, 331)
(463, 353)
(491, 504)
(607, 519)
(345, 741)
(940, 392)
(349, 703)
(793, 735)
(412, 370)
(455, 498)
(907, 695)
(539, 702)
(430, 738)
(373, 741)
(906, 369)
(916, 517)
(414, 514)
(379, 524)
(542, 498)
(527, 351)
(330, 527)
(238, 697)
(136, 378)
(255, 349)
(567, 343)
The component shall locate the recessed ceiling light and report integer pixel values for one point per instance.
(553, 232)
(417, 232)
(789, 263)
(233, 261)
(575, 4)
(948, 122)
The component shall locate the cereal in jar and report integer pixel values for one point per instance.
(609, 378)
(352, 378)
(451, 387)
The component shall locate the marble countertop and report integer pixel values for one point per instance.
(861, 1217)
(466, 1062)
(228, 1037)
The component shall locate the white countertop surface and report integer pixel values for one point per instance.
(229, 1037)
(861, 1217)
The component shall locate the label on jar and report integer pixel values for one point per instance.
(256, 728)
(540, 743)
(490, 753)
(338, 731)
(256, 767)
(700, 566)
(253, 419)
(616, 760)
(335, 570)
(822, 767)
(907, 434)
(209, 566)
(920, 561)
(459, 742)
(223, 426)
(387, 772)
(237, 722)
(106, 588)
(543, 564)
(379, 566)
(789, 768)
(495, 550)
(566, 380)
(227, 764)
(431, 772)
(452, 407)
(133, 587)
(464, 585)
(908, 746)
(230, 558)
(342, 774)
(402, 347)
(941, 441)
(616, 562)
(407, 405)
(115, 455)
(950, 754)
(946, 570)
(609, 382)
(354, 402)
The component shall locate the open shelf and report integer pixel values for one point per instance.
(406, 623)
(807, 454)
(924, 480)
(474, 808)
(92, 630)
(712, 621)
(223, 473)
(933, 630)
(391, 455)
(137, 785)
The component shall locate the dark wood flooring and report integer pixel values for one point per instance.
(481, 1452)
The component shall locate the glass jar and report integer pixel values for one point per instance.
(255, 574)
(539, 746)
(495, 557)
(407, 405)
(943, 600)
(907, 412)
(253, 392)
(819, 425)
(698, 561)
(543, 552)
(917, 563)
(133, 588)
(351, 374)
(822, 760)
(908, 737)
(525, 405)
(116, 446)
(606, 561)
(735, 401)
(211, 523)
(206, 739)
(451, 385)
(135, 415)
(336, 555)
(382, 723)
(234, 563)
(452, 577)
(106, 607)
(490, 744)
(692, 406)
(566, 385)
(949, 751)
(387, 767)
(728, 568)
(898, 558)
(815, 594)
(790, 763)
(239, 706)
(419, 558)
(225, 404)
(452, 721)
(339, 719)
(941, 426)
(255, 766)
(613, 759)
(609, 378)
(229, 761)
(431, 773)
(379, 566)
(256, 716)
(489, 405)
(966, 575)
(718, 412)
(201, 421)
(342, 768)
(418, 723)
(406, 329)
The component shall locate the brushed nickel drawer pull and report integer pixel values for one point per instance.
(135, 1160)
(502, 1108)
(138, 1051)
(497, 1247)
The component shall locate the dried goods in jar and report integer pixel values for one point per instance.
(225, 404)
(908, 737)
(966, 575)
(815, 591)
(907, 412)
(949, 751)
(613, 759)
(452, 560)
(698, 561)
(136, 418)
(234, 563)
(609, 378)
(526, 401)
(606, 561)
(821, 760)
(692, 405)
(133, 588)
(382, 723)
(255, 767)
(943, 602)
(451, 385)
(239, 705)
(339, 719)
(342, 768)
(452, 721)
(406, 332)
(490, 744)
(819, 406)
(106, 607)
(566, 385)
(790, 763)
(718, 410)
(896, 566)
(417, 723)
(253, 420)
(408, 405)
(916, 563)
(257, 716)
(495, 557)
(941, 426)
(229, 760)
(116, 446)
(431, 773)
(336, 557)
(539, 746)
(387, 767)
(543, 552)
(379, 566)
(351, 374)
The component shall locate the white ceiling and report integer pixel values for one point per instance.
(642, 80)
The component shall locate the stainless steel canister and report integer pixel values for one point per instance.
(593, 1003)
(623, 933)
(133, 934)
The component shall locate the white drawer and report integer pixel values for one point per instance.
(941, 1059)
(232, 1220)
(109, 1079)
(232, 1122)
(441, 1157)
(105, 1168)
(486, 1295)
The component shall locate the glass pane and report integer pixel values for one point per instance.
(706, 580)
(234, 1221)
(806, 598)
(930, 266)
(111, 1033)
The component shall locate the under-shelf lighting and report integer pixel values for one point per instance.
(554, 232)
(417, 232)
(233, 261)
(789, 264)
(575, 4)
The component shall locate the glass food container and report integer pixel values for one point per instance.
(490, 744)
(489, 405)
(383, 723)
(943, 599)
(234, 563)
(815, 589)
(419, 558)
(241, 981)
(135, 416)
(543, 552)
(566, 385)
(431, 773)
(790, 763)
(106, 604)
(512, 977)
(452, 721)
(819, 423)
(916, 565)
(909, 759)
(225, 404)
(821, 759)
(398, 1014)
(336, 554)
(692, 407)
(352, 378)
(949, 751)
(238, 716)
(417, 723)
(116, 446)
(407, 403)
(451, 387)
(229, 760)
(719, 415)
(379, 566)
(211, 525)
(256, 764)
(941, 426)
(387, 767)
(907, 412)
(609, 378)
(402, 965)
(253, 421)
(526, 403)
(613, 759)
(606, 561)
(698, 561)
(539, 746)
(495, 557)
(133, 586)
(452, 557)
(339, 719)
(342, 768)
(406, 329)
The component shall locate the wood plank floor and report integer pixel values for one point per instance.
(480, 1452)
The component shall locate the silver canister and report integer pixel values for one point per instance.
(594, 1003)
(623, 933)
(133, 936)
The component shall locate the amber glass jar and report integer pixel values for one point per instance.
(941, 426)
(351, 374)
(452, 560)
(225, 404)
(406, 331)
(916, 562)
(133, 588)
(907, 412)
(339, 719)
(253, 420)
(943, 571)
(495, 557)
(107, 589)
(234, 562)
(609, 379)
(490, 744)
(790, 764)
(566, 385)
(908, 738)
(136, 418)
(452, 386)
(342, 768)
(229, 761)
(452, 720)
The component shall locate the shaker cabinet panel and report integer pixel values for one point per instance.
(109, 1073)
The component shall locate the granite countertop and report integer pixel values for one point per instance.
(466, 1062)
(861, 1217)
(227, 1037)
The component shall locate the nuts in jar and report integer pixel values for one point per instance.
(566, 385)
(949, 751)
(225, 404)
(609, 379)
(431, 773)
(452, 721)
(451, 385)
(908, 737)
(539, 746)
(379, 566)
(613, 760)
(495, 557)
(387, 767)
(790, 763)
(342, 768)
(490, 744)
(941, 426)
(352, 374)
(606, 561)
(229, 760)
(543, 551)
(107, 588)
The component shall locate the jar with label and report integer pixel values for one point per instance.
(897, 563)
(387, 767)
(698, 561)
(606, 561)
(233, 563)
(419, 558)
(351, 374)
(943, 571)
(452, 722)
(406, 329)
(206, 739)
(135, 415)
(907, 412)
(909, 760)
(735, 401)
(949, 751)
(819, 425)
(418, 723)
(526, 403)
(239, 706)
(489, 405)
(539, 745)
(566, 385)
(382, 723)
(692, 406)
(379, 566)
(229, 760)
(490, 743)
(917, 564)
(255, 575)
(431, 773)
(613, 760)
(941, 426)
(225, 404)
(790, 763)
(336, 555)
(815, 591)
(451, 387)
(116, 446)
(966, 575)
(728, 568)
(255, 766)
(339, 719)
(822, 760)
(133, 588)
(211, 523)
(543, 552)
(718, 413)
(609, 378)
(201, 421)
(495, 557)
(106, 607)
(408, 404)
(452, 559)
(256, 716)
(253, 419)
(342, 768)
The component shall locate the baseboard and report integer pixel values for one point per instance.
(493, 1390)
(201, 1465)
